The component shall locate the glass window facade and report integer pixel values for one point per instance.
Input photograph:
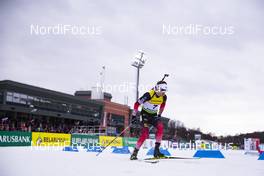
(1, 97)
(118, 120)
(20, 99)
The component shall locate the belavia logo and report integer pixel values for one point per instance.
(39, 140)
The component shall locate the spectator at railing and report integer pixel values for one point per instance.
(48, 124)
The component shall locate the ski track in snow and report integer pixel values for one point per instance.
(27, 161)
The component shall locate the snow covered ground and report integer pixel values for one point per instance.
(27, 161)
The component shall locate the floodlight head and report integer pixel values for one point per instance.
(135, 64)
(143, 60)
(139, 55)
(139, 60)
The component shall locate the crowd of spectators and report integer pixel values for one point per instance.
(51, 125)
(37, 125)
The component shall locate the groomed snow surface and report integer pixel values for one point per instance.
(27, 161)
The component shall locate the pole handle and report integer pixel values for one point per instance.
(165, 75)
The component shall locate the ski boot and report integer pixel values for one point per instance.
(157, 153)
(134, 154)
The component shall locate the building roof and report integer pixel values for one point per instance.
(38, 91)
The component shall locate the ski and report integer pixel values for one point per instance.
(153, 161)
(169, 157)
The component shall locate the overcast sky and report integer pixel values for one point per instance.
(216, 78)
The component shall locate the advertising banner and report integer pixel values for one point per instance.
(15, 138)
(50, 139)
(130, 142)
(84, 140)
(105, 140)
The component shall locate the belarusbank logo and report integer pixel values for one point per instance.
(14, 139)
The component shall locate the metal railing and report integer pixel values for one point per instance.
(93, 130)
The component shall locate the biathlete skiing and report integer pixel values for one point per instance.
(153, 104)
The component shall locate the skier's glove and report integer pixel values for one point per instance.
(135, 118)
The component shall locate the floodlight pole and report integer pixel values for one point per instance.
(137, 93)
(139, 63)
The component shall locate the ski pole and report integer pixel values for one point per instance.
(114, 139)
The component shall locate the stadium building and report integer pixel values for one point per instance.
(28, 108)
(115, 116)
